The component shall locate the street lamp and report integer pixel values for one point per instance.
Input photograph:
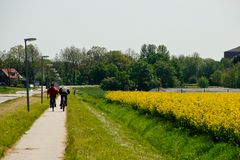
(26, 65)
(42, 77)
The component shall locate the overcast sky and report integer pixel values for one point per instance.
(208, 27)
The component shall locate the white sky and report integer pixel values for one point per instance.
(208, 27)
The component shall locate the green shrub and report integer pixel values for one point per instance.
(203, 82)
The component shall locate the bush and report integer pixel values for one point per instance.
(109, 83)
(203, 82)
(120, 82)
(192, 80)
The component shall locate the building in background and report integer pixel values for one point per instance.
(10, 77)
(232, 53)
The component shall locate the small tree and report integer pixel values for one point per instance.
(203, 82)
(109, 83)
(216, 78)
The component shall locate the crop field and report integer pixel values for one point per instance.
(217, 114)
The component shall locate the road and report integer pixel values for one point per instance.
(6, 97)
(196, 90)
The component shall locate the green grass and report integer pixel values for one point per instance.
(14, 124)
(173, 142)
(92, 91)
(9, 90)
(87, 139)
(91, 137)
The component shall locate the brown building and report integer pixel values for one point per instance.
(10, 76)
(232, 53)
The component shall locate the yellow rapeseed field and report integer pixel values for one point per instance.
(211, 109)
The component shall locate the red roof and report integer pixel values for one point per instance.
(11, 73)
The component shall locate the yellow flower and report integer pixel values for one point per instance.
(212, 109)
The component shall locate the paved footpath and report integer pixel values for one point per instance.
(45, 140)
(6, 97)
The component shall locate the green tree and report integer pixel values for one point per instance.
(225, 63)
(216, 78)
(231, 76)
(190, 66)
(166, 72)
(98, 73)
(203, 82)
(151, 53)
(95, 53)
(112, 70)
(120, 82)
(142, 74)
(34, 62)
(124, 81)
(122, 61)
(15, 58)
(207, 67)
(71, 58)
(178, 68)
(109, 83)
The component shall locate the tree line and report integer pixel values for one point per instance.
(153, 67)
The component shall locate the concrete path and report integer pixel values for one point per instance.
(45, 140)
(6, 97)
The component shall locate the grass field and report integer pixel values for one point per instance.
(164, 137)
(91, 135)
(8, 90)
(15, 120)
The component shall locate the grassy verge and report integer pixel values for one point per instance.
(173, 142)
(91, 135)
(9, 90)
(15, 120)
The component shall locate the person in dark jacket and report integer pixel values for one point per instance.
(64, 93)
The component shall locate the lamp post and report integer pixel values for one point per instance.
(26, 65)
(42, 78)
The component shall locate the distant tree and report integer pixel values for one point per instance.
(131, 53)
(151, 53)
(166, 72)
(142, 74)
(231, 76)
(124, 81)
(120, 82)
(112, 70)
(192, 80)
(203, 82)
(190, 66)
(96, 53)
(34, 62)
(207, 67)
(225, 63)
(71, 58)
(98, 73)
(216, 78)
(109, 83)
(228, 79)
(163, 53)
(122, 61)
(178, 70)
(15, 58)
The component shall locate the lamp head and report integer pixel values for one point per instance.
(30, 39)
